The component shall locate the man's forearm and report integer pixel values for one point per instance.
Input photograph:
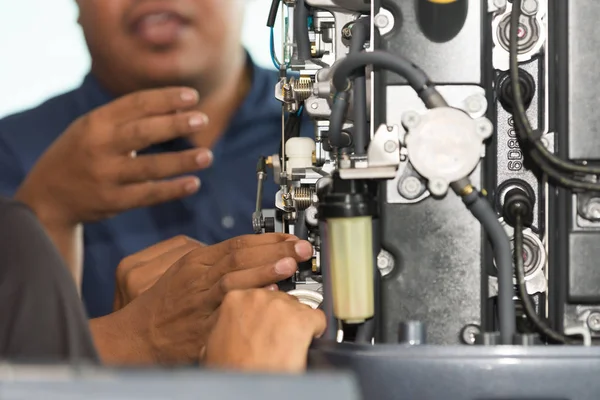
(119, 343)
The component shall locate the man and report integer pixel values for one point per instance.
(84, 157)
(194, 312)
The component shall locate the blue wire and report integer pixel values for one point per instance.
(272, 48)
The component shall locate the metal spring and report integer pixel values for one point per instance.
(302, 87)
(303, 197)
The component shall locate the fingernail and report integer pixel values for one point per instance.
(189, 95)
(205, 158)
(193, 186)
(287, 266)
(198, 120)
(273, 288)
(303, 249)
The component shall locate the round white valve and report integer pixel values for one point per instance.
(299, 153)
(444, 145)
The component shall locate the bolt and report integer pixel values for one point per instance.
(469, 334)
(411, 187)
(390, 146)
(347, 32)
(545, 142)
(500, 3)
(485, 128)
(593, 321)
(410, 119)
(529, 7)
(592, 209)
(314, 105)
(475, 104)
(385, 262)
(438, 187)
(381, 21)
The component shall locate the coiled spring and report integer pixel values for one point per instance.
(302, 197)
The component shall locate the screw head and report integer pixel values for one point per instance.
(485, 128)
(469, 334)
(592, 209)
(475, 103)
(411, 187)
(390, 146)
(500, 3)
(438, 187)
(411, 119)
(385, 263)
(529, 7)
(381, 21)
(314, 105)
(593, 321)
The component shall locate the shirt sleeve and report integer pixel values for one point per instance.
(41, 315)
(11, 174)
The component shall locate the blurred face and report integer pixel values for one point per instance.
(147, 43)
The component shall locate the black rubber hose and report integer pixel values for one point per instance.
(273, 13)
(361, 136)
(300, 228)
(520, 115)
(336, 122)
(485, 214)
(542, 327)
(301, 31)
(347, 66)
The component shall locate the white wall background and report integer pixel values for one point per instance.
(42, 51)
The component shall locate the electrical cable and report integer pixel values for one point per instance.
(485, 214)
(520, 115)
(540, 325)
(361, 136)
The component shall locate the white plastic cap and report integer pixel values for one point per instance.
(299, 152)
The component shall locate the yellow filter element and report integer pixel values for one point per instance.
(351, 263)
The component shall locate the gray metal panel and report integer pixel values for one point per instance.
(457, 61)
(584, 270)
(50, 383)
(467, 373)
(437, 279)
(584, 80)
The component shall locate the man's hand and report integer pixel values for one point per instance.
(170, 322)
(140, 271)
(92, 172)
(263, 331)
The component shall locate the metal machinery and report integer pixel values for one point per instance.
(449, 135)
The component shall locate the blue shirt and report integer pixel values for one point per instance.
(220, 210)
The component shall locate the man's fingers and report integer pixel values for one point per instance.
(152, 252)
(148, 103)
(215, 253)
(252, 279)
(162, 166)
(315, 321)
(260, 255)
(156, 192)
(142, 133)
